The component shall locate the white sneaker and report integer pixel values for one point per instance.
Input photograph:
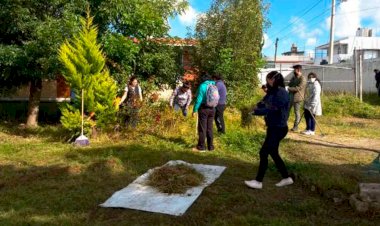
(254, 184)
(311, 133)
(284, 182)
(306, 132)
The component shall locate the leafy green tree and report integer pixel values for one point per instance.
(31, 31)
(30, 34)
(230, 36)
(131, 43)
(84, 69)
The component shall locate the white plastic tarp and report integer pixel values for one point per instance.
(140, 196)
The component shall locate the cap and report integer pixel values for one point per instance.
(297, 66)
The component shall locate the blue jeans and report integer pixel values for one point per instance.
(183, 109)
(310, 122)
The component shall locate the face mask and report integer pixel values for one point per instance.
(312, 79)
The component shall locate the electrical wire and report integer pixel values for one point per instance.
(299, 18)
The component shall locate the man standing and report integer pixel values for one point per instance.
(377, 78)
(205, 116)
(219, 110)
(296, 90)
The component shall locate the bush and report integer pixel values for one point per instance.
(71, 120)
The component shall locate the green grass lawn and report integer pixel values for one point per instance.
(45, 181)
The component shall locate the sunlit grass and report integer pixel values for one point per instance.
(46, 181)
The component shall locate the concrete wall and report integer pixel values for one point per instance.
(335, 78)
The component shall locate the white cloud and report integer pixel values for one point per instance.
(189, 17)
(347, 18)
(351, 14)
(311, 41)
(301, 30)
(267, 41)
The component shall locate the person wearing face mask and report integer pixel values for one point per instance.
(274, 107)
(296, 90)
(313, 106)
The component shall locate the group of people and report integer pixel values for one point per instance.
(275, 108)
(210, 103)
(180, 100)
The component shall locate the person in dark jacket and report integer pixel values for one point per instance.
(377, 78)
(297, 86)
(274, 107)
(219, 110)
(133, 96)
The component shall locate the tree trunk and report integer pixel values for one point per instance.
(34, 102)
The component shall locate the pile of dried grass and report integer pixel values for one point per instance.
(175, 179)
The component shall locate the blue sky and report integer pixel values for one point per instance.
(302, 22)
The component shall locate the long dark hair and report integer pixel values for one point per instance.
(278, 80)
(313, 75)
(131, 79)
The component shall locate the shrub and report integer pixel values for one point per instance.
(71, 121)
(84, 69)
(348, 105)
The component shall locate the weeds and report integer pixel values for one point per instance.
(348, 105)
(45, 181)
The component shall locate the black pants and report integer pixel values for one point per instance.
(205, 123)
(219, 118)
(270, 147)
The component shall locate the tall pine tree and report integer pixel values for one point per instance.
(84, 68)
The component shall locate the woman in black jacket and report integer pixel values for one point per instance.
(274, 107)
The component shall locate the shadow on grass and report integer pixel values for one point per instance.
(324, 143)
(70, 194)
(52, 133)
(177, 140)
(372, 99)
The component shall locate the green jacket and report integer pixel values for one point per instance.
(202, 94)
(297, 88)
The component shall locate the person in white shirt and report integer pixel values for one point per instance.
(181, 98)
(313, 105)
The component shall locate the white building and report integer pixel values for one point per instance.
(344, 48)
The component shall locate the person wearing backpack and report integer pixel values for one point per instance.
(181, 98)
(206, 100)
(219, 110)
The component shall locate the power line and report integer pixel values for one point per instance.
(299, 18)
(357, 11)
(312, 19)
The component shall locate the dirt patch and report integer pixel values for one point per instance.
(330, 140)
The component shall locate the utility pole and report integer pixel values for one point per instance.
(361, 76)
(275, 52)
(331, 54)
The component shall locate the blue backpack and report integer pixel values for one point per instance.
(212, 96)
